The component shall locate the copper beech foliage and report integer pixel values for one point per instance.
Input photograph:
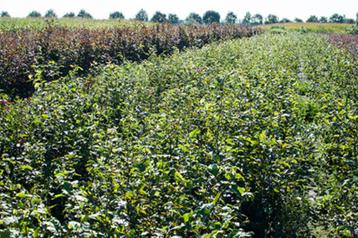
(57, 49)
(345, 41)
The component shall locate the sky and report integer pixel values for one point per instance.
(101, 8)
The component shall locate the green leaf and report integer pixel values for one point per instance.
(187, 216)
(45, 116)
(194, 133)
(241, 190)
(262, 136)
(58, 196)
(239, 177)
(184, 148)
(217, 197)
(26, 167)
(179, 178)
(129, 195)
(21, 195)
(214, 169)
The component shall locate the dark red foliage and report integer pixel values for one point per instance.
(58, 49)
(349, 42)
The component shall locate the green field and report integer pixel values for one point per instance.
(311, 27)
(13, 24)
(256, 136)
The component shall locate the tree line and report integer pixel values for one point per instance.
(194, 18)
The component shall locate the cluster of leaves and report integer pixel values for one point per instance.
(230, 140)
(55, 50)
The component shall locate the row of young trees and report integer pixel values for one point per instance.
(257, 19)
(194, 18)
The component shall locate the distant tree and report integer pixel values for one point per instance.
(173, 19)
(84, 14)
(194, 18)
(69, 15)
(312, 18)
(257, 19)
(285, 20)
(231, 18)
(348, 21)
(357, 18)
(116, 15)
(323, 20)
(34, 14)
(336, 18)
(247, 19)
(298, 20)
(271, 19)
(159, 17)
(50, 14)
(142, 16)
(211, 17)
(4, 14)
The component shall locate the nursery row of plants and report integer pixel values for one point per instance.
(312, 27)
(18, 24)
(56, 50)
(236, 139)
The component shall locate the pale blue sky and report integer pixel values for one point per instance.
(101, 9)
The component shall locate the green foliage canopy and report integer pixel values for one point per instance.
(323, 20)
(336, 18)
(159, 17)
(50, 14)
(69, 15)
(83, 14)
(211, 17)
(312, 18)
(194, 18)
(231, 18)
(247, 19)
(173, 19)
(142, 16)
(257, 19)
(34, 14)
(271, 19)
(4, 14)
(116, 15)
